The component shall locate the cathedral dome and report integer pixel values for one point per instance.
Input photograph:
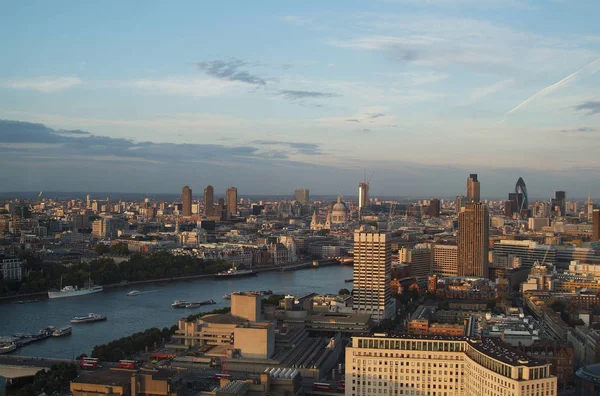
(339, 212)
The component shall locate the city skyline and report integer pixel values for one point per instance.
(421, 93)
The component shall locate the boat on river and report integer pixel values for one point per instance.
(90, 318)
(63, 331)
(134, 293)
(74, 291)
(233, 272)
(7, 348)
(191, 304)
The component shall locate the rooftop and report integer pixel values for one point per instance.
(224, 319)
(105, 377)
(504, 353)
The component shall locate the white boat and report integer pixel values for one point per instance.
(7, 348)
(134, 293)
(92, 317)
(67, 330)
(234, 272)
(70, 291)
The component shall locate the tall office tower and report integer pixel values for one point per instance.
(560, 201)
(473, 240)
(301, 195)
(473, 188)
(522, 198)
(434, 208)
(372, 275)
(231, 197)
(209, 200)
(88, 201)
(186, 201)
(363, 196)
(596, 225)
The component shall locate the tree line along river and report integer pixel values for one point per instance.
(152, 308)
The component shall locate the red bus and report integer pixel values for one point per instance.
(341, 385)
(127, 364)
(89, 363)
(162, 356)
(322, 386)
(217, 376)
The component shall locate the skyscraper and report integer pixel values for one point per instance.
(560, 201)
(231, 197)
(209, 198)
(301, 195)
(596, 225)
(363, 196)
(372, 275)
(473, 240)
(473, 188)
(186, 201)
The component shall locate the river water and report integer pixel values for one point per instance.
(127, 315)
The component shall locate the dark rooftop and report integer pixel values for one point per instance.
(105, 377)
(224, 319)
(503, 352)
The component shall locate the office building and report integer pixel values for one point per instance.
(595, 225)
(363, 196)
(525, 253)
(301, 195)
(231, 198)
(186, 201)
(11, 268)
(437, 365)
(444, 260)
(473, 191)
(209, 200)
(418, 259)
(434, 208)
(473, 240)
(372, 275)
(559, 203)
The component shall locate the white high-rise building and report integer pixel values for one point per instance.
(372, 275)
(363, 196)
(442, 366)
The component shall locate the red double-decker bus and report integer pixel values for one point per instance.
(127, 364)
(88, 363)
(322, 386)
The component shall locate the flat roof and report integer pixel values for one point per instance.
(104, 377)
(223, 319)
(504, 353)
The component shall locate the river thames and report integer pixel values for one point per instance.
(127, 315)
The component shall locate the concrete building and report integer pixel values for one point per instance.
(302, 196)
(372, 275)
(537, 223)
(11, 268)
(439, 365)
(444, 260)
(527, 252)
(209, 201)
(419, 260)
(118, 382)
(473, 188)
(596, 225)
(186, 201)
(232, 201)
(434, 208)
(473, 240)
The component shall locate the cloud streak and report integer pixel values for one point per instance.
(231, 70)
(580, 130)
(302, 148)
(545, 91)
(291, 94)
(43, 84)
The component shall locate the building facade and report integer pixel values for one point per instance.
(363, 196)
(186, 201)
(372, 275)
(445, 260)
(301, 195)
(442, 366)
(209, 200)
(231, 197)
(473, 240)
(473, 188)
(11, 268)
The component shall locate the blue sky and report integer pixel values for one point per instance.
(272, 95)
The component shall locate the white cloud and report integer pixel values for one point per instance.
(482, 92)
(43, 84)
(186, 86)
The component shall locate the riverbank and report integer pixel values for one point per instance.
(285, 268)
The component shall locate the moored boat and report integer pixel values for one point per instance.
(134, 293)
(234, 272)
(70, 291)
(63, 331)
(7, 348)
(92, 317)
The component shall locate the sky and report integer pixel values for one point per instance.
(269, 96)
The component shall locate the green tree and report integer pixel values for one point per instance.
(101, 249)
(343, 292)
